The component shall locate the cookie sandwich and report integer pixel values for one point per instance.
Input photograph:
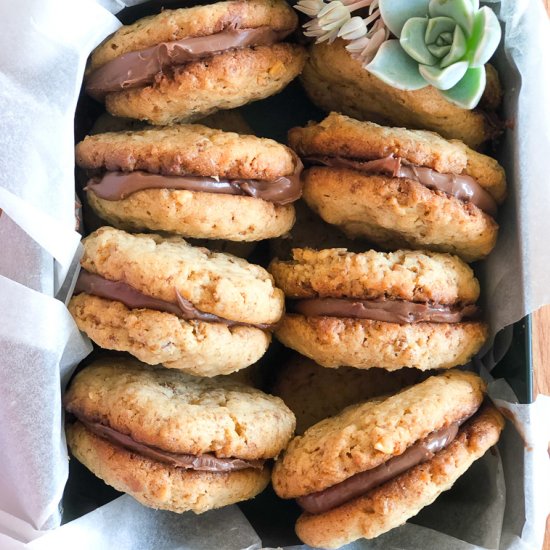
(167, 302)
(401, 188)
(374, 309)
(186, 63)
(314, 393)
(377, 464)
(193, 181)
(174, 441)
(335, 81)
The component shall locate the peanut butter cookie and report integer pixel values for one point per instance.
(171, 440)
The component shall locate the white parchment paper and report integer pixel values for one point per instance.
(503, 499)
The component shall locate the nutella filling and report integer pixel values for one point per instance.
(91, 283)
(114, 186)
(389, 311)
(464, 188)
(204, 463)
(139, 68)
(359, 484)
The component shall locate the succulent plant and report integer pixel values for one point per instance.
(445, 43)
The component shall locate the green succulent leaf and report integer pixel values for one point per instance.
(460, 11)
(446, 78)
(436, 27)
(439, 51)
(395, 13)
(485, 37)
(443, 43)
(412, 41)
(393, 66)
(468, 91)
(458, 49)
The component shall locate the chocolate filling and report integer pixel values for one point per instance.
(203, 463)
(114, 186)
(389, 311)
(464, 188)
(359, 484)
(139, 68)
(91, 283)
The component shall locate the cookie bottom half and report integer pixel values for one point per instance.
(224, 81)
(159, 485)
(399, 213)
(394, 502)
(155, 337)
(337, 342)
(197, 214)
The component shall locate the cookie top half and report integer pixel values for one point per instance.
(404, 275)
(180, 413)
(187, 149)
(339, 135)
(366, 435)
(162, 268)
(171, 25)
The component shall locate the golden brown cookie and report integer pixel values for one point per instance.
(344, 136)
(135, 178)
(156, 337)
(158, 485)
(403, 274)
(399, 187)
(187, 149)
(171, 440)
(366, 435)
(377, 463)
(191, 75)
(376, 309)
(196, 214)
(393, 503)
(314, 393)
(226, 81)
(336, 82)
(213, 282)
(364, 344)
(181, 23)
(169, 303)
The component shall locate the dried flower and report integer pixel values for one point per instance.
(333, 20)
(310, 7)
(364, 49)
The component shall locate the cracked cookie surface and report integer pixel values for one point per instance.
(213, 282)
(186, 149)
(401, 498)
(404, 274)
(365, 435)
(180, 413)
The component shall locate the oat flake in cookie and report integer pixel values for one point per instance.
(377, 464)
(184, 64)
(374, 309)
(174, 441)
(193, 181)
(167, 302)
(401, 188)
